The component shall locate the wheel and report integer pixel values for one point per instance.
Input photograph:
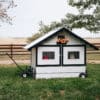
(82, 75)
(24, 75)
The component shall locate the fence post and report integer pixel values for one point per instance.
(11, 50)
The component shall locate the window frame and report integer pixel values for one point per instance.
(51, 64)
(75, 54)
(61, 62)
(47, 56)
(71, 60)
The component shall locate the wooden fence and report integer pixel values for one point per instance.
(13, 49)
(17, 49)
(97, 45)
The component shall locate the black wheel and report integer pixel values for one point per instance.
(24, 75)
(82, 75)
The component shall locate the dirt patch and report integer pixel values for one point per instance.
(13, 40)
(94, 61)
(7, 62)
(93, 40)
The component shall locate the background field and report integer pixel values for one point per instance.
(13, 40)
(23, 57)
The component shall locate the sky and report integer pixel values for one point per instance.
(28, 13)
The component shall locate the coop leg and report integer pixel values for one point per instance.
(34, 73)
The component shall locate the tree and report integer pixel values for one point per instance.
(5, 5)
(88, 17)
(43, 29)
(89, 21)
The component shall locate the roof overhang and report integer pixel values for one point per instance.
(49, 34)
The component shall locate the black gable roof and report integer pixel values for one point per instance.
(54, 32)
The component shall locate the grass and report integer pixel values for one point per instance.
(13, 87)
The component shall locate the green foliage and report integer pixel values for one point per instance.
(84, 4)
(90, 21)
(4, 17)
(79, 21)
(13, 87)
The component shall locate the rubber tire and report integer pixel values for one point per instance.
(82, 75)
(24, 75)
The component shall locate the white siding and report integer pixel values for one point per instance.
(33, 61)
(59, 72)
(72, 40)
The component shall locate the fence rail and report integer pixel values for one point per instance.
(17, 49)
(13, 49)
(97, 45)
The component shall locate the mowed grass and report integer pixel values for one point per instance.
(13, 87)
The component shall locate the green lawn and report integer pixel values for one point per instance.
(13, 87)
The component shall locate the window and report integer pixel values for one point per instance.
(62, 39)
(48, 55)
(61, 36)
(73, 55)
